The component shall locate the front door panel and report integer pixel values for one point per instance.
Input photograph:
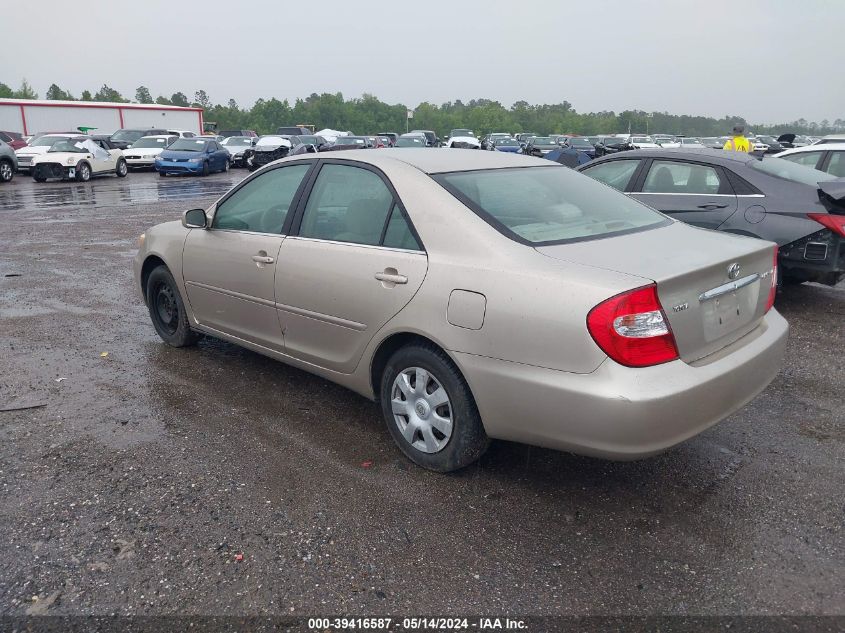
(228, 289)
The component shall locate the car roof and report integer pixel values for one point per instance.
(712, 155)
(825, 147)
(158, 136)
(440, 160)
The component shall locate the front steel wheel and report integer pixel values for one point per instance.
(167, 311)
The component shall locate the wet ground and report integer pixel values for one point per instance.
(142, 472)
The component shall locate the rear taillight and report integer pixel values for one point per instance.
(835, 223)
(773, 290)
(632, 329)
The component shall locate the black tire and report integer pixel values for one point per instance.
(83, 172)
(225, 166)
(205, 170)
(122, 168)
(468, 441)
(167, 311)
(7, 171)
(39, 179)
(162, 174)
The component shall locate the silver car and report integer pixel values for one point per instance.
(476, 295)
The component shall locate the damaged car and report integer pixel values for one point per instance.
(267, 148)
(79, 158)
(799, 208)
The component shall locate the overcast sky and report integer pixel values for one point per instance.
(770, 61)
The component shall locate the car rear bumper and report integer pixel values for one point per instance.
(619, 412)
(141, 162)
(818, 257)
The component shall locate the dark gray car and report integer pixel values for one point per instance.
(8, 162)
(801, 209)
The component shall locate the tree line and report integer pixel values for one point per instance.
(367, 115)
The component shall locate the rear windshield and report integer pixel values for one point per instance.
(788, 170)
(544, 205)
(148, 141)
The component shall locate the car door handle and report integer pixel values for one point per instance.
(712, 205)
(262, 259)
(392, 278)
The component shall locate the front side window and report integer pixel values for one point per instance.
(673, 177)
(263, 203)
(810, 159)
(615, 173)
(543, 205)
(347, 204)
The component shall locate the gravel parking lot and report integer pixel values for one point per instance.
(143, 473)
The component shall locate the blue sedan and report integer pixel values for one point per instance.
(192, 156)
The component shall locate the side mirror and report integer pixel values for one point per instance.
(194, 219)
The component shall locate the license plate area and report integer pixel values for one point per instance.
(730, 310)
(71, 173)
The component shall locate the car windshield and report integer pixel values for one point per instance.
(508, 142)
(240, 141)
(410, 141)
(127, 136)
(766, 139)
(461, 133)
(579, 142)
(188, 145)
(541, 205)
(150, 141)
(46, 141)
(642, 139)
(690, 141)
(350, 140)
(310, 139)
(793, 172)
(542, 140)
(69, 145)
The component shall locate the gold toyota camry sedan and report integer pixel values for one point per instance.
(476, 295)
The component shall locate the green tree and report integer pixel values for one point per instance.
(6, 92)
(179, 99)
(163, 100)
(110, 95)
(54, 93)
(86, 96)
(142, 95)
(25, 91)
(201, 100)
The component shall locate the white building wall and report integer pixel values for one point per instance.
(64, 115)
(170, 119)
(68, 118)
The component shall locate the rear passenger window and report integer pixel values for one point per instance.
(810, 159)
(836, 164)
(616, 173)
(398, 233)
(347, 204)
(673, 177)
(263, 203)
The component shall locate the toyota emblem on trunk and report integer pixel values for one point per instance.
(733, 270)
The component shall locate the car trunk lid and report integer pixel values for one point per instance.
(713, 287)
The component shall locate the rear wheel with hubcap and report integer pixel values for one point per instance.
(429, 409)
(6, 171)
(122, 169)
